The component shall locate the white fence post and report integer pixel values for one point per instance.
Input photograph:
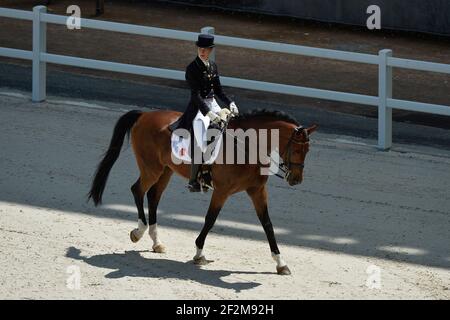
(39, 46)
(384, 92)
(210, 30)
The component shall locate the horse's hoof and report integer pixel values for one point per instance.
(284, 271)
(133, 237)
(160, 248)
(201, 261)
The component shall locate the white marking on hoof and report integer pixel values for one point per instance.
(160, 248)
(136, 234)
(199, 258)
(280, 262)
(133, 237)
(201, 261)
(284, 271)
(199, 254)
(157, 244)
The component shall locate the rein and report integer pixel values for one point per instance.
(286, 168)
(282, 166)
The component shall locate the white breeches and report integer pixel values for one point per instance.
(200, 123)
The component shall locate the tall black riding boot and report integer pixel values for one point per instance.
(194, 185)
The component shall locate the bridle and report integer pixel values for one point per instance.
(282, 166)
(286, 168)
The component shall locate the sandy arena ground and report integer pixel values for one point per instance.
(357, 207)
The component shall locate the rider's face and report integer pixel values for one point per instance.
(204, 53)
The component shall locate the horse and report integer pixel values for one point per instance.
(151, 143)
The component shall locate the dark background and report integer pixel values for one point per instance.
(432, 16)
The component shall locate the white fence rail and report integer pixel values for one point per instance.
(384, 60)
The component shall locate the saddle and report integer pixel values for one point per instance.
(224, 115)
(180, 150)
(173, 126)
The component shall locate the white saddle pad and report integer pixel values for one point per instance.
(180, 145)
(180, 149)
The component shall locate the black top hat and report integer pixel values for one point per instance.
(205, 41)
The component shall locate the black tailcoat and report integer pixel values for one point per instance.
(203, 82)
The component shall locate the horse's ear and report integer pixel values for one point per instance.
(312, 128)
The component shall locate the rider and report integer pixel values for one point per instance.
(203, 79)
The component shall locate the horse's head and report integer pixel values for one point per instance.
(295, 153)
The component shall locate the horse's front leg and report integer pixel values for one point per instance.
(259, 199)
(217, 201)
(138, 189)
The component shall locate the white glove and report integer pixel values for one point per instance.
(233, 108)
(213, 117)
(224, 113)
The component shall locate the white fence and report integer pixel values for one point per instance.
(384, 60)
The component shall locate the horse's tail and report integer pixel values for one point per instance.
(123, 126)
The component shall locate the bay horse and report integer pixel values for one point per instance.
(151, 143)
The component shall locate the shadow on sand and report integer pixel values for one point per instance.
(133, 264)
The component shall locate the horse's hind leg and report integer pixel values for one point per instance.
(139, 188)
(259, 199)
(153, 196)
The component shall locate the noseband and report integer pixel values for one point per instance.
(286, 167)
